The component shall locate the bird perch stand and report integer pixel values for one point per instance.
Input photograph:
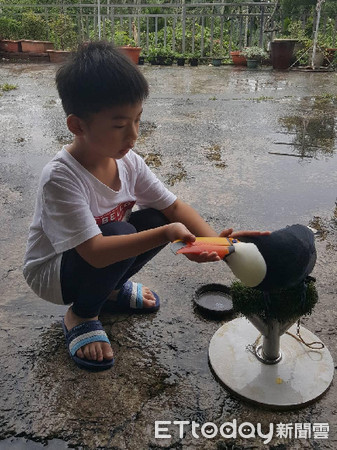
(265, 357)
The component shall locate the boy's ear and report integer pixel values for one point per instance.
(75, 125)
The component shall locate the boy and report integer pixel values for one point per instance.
(85, 242)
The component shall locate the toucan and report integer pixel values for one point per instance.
(280, 260)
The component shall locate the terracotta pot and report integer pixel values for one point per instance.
(9, 45)
(238, 58)
(31, 46)
(58, 56)
(132, 52)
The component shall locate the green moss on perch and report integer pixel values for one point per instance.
(283, 304)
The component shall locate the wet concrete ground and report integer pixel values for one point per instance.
(248, 149)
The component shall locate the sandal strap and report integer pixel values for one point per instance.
(86, 333)
(135, 291)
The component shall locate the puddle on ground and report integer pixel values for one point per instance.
(311, 134)
(214, 154)
(179, 174)
(313, 129)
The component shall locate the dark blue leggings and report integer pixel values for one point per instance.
(88, 287)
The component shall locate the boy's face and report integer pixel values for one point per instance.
(112, 132)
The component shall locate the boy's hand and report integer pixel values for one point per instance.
(177, 231)
(228, 232)
(213, 256)
(204, 257)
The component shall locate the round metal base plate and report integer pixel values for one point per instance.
(214, 299)
(301, 376)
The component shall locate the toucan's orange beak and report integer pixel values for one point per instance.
(222, 246)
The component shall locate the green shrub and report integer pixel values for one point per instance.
(10, 28)
(256, 53)
(122, 38)
(34, 26)
(63, 33)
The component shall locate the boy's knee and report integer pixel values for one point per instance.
(117, 228)
(145, 219)
(156, 218)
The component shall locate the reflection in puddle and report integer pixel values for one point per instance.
(312, 134)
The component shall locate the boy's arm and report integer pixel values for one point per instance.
(180, 211)
(101, 251)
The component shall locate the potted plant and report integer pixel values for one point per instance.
(131, 50)
(141, 60)
(162, 56)
(165, 56)
(254, 56)
(35, 33)
(64, 37)
(193, 59)
(218, 53)
(10, 33)
(128, 45)
(152, 55)
(180, 58)
(238, 58)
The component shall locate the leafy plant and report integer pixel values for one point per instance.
(218, 49)
(178, 55)
(160, 55)
(295, 30)
(34, 26)
(255, 52)
(166, 52)
(121, 38)
(62, 32)
(10, 28)
(193, 55)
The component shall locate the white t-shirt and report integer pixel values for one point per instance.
(70, 206)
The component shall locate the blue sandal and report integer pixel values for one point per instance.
(130, 299)
(77, 337)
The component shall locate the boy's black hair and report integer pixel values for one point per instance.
(99, 76)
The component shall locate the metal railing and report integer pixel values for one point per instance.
(181, 27)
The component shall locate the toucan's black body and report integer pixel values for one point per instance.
(290, 256)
